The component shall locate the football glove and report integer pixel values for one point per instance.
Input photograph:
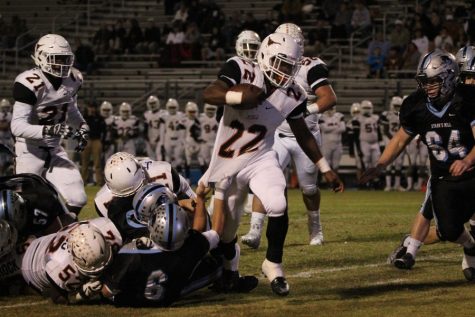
(143, 243)
(89, 289)
(59, 129)
(82, 136)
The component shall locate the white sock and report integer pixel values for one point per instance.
(272, 270)
(397, 181)
(233, 265)
(314, 225)
(413, 246)
(388, 181)
(410, 182)
(466, 240)
(257, 222)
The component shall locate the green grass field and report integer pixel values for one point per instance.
(347, 276)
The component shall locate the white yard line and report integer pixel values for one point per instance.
(24, 304)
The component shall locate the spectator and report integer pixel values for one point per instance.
(291, 11)
(378, 42)
(192, 41)
(181, 14)
(393, 62)
(399, 36)
(84, 57)
(376, 63)
(176, 35)
(361, 19)
(151, 39)
(342, 23)
(443, 40)
(410, 58)
(93, 148)
(421, 41)
(133, 35)
(175, 40)
(101, 39)
(435, 26)
(213, 48)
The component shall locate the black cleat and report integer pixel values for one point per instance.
(406, 262)
(469, 274)
(280, 286)
(231, 282)
(399, 251)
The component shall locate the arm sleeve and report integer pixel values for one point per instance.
(298, 111)
(230, 73)
(317, 76)
(20, 125)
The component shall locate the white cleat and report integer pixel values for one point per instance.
(252, 239)
(316, 239)
(401, 189)
(275, 274)
(387, 189)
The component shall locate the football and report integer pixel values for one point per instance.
(251, 95)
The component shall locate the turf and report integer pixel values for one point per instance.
(347, 276)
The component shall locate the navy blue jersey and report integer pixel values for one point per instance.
(446, 132)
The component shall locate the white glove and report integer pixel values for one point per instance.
(89, 289)
(143, 243)
(59, 129)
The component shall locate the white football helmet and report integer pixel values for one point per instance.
(464, 54)
(210, 110)
(13, 208)
(172, 106)
(5, 105)
(168, 226)
(90, 250)
(366, 108)
(247, 45)
(293, 30)
(8, 237)
(148, 198)
(153, 103)
(53, 55)
(123, 174)
(355, 108)
(106, 109)
(436, 74)
(191, 109)
(395, 104)
(279, 57)
(125, 110)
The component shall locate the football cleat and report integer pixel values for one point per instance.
(387, 189)
(406, 262)
(280, 286)
(252, 239)
(399, 251)
(401, 189)
(232, 282)
(273, 272)
(468, 265)
(316, 239)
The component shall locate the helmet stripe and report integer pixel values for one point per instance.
(171, 225)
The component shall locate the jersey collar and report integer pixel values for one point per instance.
(436, 112)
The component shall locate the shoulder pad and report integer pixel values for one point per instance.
(76, 75)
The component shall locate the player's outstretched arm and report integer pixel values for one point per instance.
(395, 146)
(215, 93)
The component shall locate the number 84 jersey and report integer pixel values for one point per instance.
(446, 132)
(48, 265)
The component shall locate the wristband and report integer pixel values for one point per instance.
(233, 97)
(313, 108)
(212, 237)
(323, 165)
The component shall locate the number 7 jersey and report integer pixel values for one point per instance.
(245, 135)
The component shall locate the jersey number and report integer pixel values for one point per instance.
(259, 130)
(154, 289)
(35, 78)
(454, 148)
(66, 273)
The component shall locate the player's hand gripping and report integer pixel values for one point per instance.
(334, 181)
(89, 289)
(59, 129)
(370, 173)
(82, 136)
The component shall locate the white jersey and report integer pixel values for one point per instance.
(174, 126)
(159, 172)
(368, 127)
(50, 107)
(48, 260)
(391, 120)
(313, 73)
(153, 121)
(245, 135)
(332, 127)
(126, 129)
(209, 127)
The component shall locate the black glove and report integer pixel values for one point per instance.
(82, 136)
(59, 129)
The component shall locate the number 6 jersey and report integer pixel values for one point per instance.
(446, 132)
(38, 103)
(244, 135)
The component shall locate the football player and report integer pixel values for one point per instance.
(5, 134)
(71, 260)
(174, 135)
(107, 113)
(332, 124)
(193, 139)
(312, 75)
(45, 106)
(354, 147)
(209, 127)
(445, 119)
(125, 129)
(258, 98)
(390, 124)
(153, 121)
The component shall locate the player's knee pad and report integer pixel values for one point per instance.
(309, 190)
(76, 198)
(276, 206)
